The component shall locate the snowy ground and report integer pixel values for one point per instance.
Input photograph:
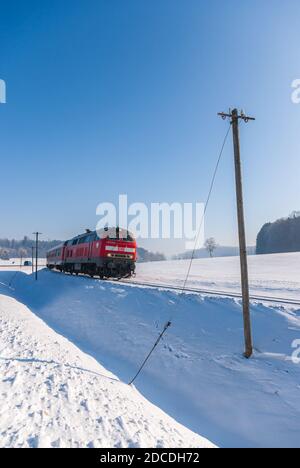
(16, 262)
(54, 395)
(272, 275)
(197, 374)
(275, 275)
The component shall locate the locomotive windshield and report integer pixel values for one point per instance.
(115, 234)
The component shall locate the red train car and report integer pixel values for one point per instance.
(109, 253)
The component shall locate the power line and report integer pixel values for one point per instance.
(169, 323)
(205, 209)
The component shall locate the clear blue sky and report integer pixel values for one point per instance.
(108, 97)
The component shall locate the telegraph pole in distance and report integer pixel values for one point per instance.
(234, 117)
(36, 253)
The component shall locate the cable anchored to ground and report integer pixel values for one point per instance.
(167, 325)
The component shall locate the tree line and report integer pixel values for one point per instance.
(12, 248)
(282, 236)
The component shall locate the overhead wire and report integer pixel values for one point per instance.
(169, 322)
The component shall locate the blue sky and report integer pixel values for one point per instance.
(122, 97)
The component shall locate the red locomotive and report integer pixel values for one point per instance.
(108, 253)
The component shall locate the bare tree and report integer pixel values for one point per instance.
(210, 245)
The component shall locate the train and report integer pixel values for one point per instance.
(108, 253)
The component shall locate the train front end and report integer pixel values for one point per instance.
(118, 253)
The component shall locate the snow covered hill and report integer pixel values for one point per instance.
(197, 374)
(54, 395)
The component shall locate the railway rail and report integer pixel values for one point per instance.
(279, 300)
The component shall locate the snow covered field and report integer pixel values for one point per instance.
(14, 264)
(54, 395)
(197, 374)
(272, 275)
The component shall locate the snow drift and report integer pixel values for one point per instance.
(53, 395)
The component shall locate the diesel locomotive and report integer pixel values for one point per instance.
(109, 253)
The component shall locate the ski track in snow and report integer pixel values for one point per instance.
(53, 395)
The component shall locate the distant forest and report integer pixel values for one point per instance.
(23, 249)
(221, 251)
(280, 237)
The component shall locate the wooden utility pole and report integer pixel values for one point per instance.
(235, 116)
(32, 259)
(36, 253)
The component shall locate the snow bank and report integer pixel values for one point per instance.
(197, 374)
(54, 395)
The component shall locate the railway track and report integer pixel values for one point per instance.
(279, 300)
(207, 292)
(23, 267)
